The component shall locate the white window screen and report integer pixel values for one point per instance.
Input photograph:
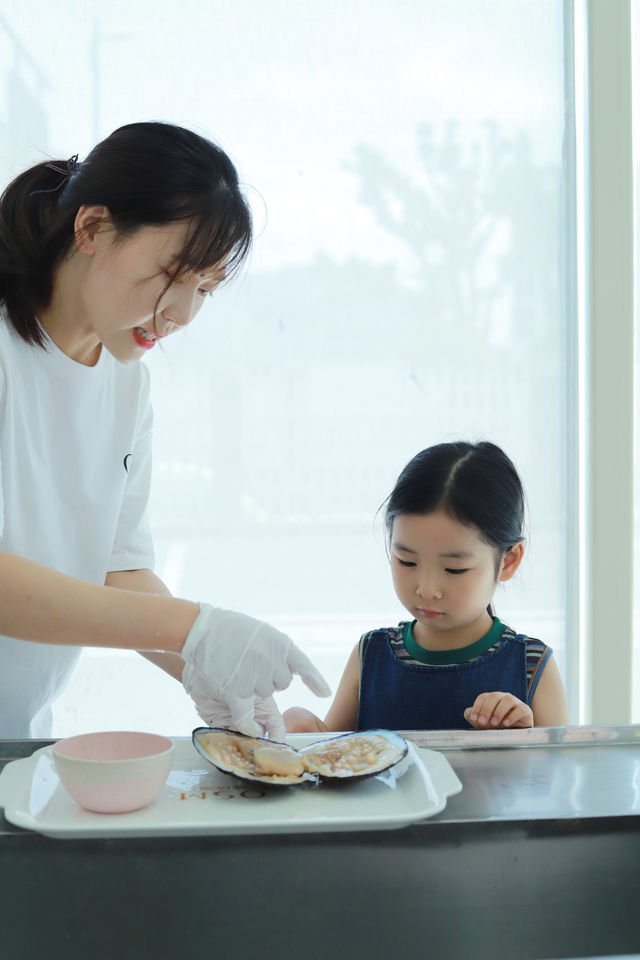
(405, 163)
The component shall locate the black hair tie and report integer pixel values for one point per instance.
(72, 166)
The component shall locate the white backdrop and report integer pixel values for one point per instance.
(404, 161)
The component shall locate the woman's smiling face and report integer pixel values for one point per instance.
(131, 298)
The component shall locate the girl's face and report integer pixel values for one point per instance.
(126, 302)
(445, 576)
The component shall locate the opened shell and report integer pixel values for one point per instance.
(345, 758)
(354, 755)
(243, 756)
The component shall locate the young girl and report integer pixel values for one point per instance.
(454, 525)
(98, 261)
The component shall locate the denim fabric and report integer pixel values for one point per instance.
(409, 696)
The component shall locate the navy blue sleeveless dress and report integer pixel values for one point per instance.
(402, 694)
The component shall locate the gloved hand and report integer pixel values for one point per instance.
(254, 716)
(237, 658)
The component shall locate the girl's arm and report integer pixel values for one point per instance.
(44, 606)
(343, 712)
(549, 702)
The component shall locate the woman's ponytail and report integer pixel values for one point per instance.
(30, 247)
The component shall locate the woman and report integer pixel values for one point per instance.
(98, 261)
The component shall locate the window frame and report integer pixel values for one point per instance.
(605, 269)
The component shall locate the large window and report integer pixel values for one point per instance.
(410, 167)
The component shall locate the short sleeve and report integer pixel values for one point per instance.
(538, 654)
(361, 646)
(133, 544)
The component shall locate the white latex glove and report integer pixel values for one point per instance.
(251, 715)
(237, 658)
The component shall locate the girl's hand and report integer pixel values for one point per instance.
(301, 720)
(498, 711)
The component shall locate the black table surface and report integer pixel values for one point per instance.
(537, 857)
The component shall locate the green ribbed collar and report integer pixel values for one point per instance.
(460, 654)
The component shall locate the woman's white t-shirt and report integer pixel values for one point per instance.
(75, 472)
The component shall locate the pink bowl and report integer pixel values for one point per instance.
(113, 772)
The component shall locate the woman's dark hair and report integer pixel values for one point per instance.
(474, 483)
(145, 174)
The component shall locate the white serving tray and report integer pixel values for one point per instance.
(198, 800)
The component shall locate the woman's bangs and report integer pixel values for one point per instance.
(222, 237)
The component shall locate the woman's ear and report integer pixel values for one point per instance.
(511, 561)
(90, 226)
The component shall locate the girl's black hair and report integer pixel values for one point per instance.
(145, 174)
(474, 483)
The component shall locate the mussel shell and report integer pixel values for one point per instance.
(396, 748)
(393, 751)
(216, 736)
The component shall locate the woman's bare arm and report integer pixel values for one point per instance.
(146, 581)
(44, 606)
